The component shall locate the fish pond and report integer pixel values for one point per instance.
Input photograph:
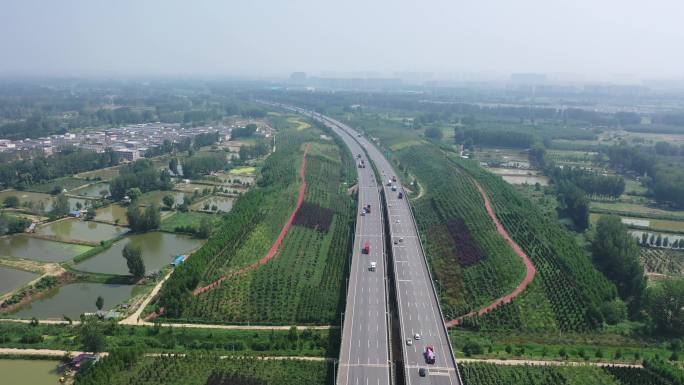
(11, 279)
(75, 299)
(158, 250)
(76, 229)
(111, 213)
(24, 246)
(222, 204)
(29, 372)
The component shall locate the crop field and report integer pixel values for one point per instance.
(646, 223)
(628, 209)
(571, 284)
(104, 174)
(132, 368)
(303, 283)
(490, 374)
(190, 218)
(663, 261)
(68, 183)
(501, 155)
(472, 264)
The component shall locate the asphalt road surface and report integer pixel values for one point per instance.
(419, 311)
(364, 353)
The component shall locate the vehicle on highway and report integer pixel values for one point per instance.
(366, 247)
(397, 221)
(417, 336)
(422, 372)
(401, 195)
(394, 188)
(430, 357)
(409, 342)
(372, 266)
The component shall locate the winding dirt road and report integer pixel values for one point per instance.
(276, 245)
(529, 266)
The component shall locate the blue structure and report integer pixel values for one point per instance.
(178, 260)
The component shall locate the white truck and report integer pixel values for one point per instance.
(372, 266)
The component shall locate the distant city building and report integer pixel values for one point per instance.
(128, 154)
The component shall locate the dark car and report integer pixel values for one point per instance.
(422, 372)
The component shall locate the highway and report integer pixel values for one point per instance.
(365, 347)
(418, 306)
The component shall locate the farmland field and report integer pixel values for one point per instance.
(628, 209)
(303, 283)
(644, 223)
(490, 374)
(131, 368)
(663, 261)
(190, 218)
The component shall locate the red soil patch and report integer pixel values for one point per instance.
(529, 275)
(276, 245)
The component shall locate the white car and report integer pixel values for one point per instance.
(409, 342)
(417, 336)
(397, 221)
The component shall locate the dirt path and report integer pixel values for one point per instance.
(36, 352)
(545, 362)
(134, 318)
(529, 266)
(276, 245)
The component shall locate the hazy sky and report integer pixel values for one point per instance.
(252, 37)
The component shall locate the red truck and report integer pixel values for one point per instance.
(430, 354)
(366, 247)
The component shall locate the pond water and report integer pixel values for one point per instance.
(24, 246)
(92, 190)
(158, 250)
(223, 203)
(157, 196)
(74, 299)
(69, 229)
(11, 279)
(29, 372)
(111, 213)
(529, 179)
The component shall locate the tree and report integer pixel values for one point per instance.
(99, 302)
(133, 256)
(12, 201)
(617, 256)
(173, 165)
(61, 206)
(664, 304)
(614, 311)
(91, 335)
(168, 201)
(204, 230)
(433, 133)
(133, 193)
(139, 221)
